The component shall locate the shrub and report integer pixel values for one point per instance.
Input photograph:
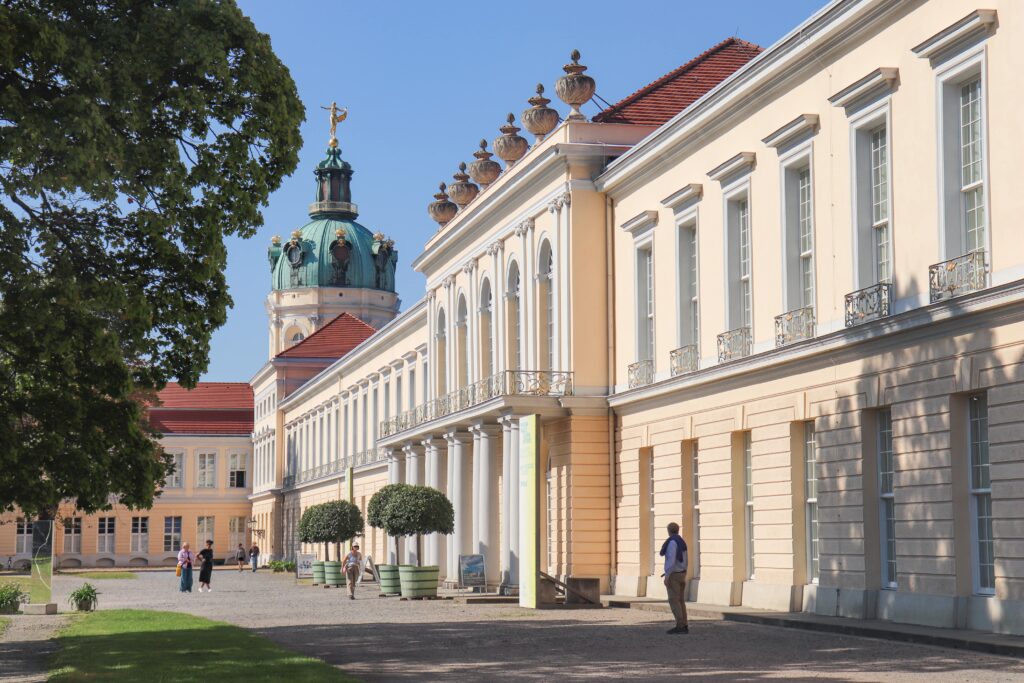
(334, 522)
(87, 593)
(11, 595)
(405, 510)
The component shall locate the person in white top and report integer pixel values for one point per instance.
(674, 552)
(353, 565)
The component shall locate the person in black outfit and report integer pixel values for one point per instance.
(206, 570)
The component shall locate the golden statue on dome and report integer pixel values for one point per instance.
(337, 115)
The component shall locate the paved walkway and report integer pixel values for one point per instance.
(384, 639)
(25, 647)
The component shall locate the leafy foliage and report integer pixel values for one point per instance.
(334, 522)
(85, 594)
(279, 566)
(379, 502)
(413, 510)
(135, 137)
(12, 594)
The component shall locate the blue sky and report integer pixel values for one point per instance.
(424, 82)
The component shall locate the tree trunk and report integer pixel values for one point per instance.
(327, 552)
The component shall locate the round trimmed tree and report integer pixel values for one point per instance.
(335, 522)
(406, 510)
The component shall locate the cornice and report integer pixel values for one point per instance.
(744, 161)
(976, 24)
(641, 222)
(803, 125)
(679, 198)
(881, 80)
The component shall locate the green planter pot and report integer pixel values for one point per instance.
(318, 572)
(332, 574)
(85, 605)
(389, 579)
(418, 582)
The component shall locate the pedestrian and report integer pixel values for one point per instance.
(674, 552)
(241, 556)
(186, 558)
(353, 566)
(254, 555)
(206, 569)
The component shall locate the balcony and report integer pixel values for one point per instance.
(958, 276)
(794, 326)
(684, 359)
(367, 457)
(505, 383)
(870, 303)
(640, 373)
(734, 344)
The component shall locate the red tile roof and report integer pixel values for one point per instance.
(333, 340)
(209, 408)
(659, 101)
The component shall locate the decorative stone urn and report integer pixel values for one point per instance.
(540, 119)
(510, 147)
(441, 209)
(462, 191)
(484, 170)
(575, 88)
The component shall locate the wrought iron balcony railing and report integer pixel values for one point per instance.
(795, 325)
(957, 276)
(870, 303)
(505, 383)
(684, 359)
(734, 344)
(640, 373)
(367, 457)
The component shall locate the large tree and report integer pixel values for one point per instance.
(134, 136)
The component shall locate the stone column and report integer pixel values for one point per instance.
(460, 465)
(412, 476)
(488, 538)
(475, 490)
(396, 462)
(435, 456)
(507, 482)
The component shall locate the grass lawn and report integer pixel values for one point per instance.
(4, 623)
(101, 575)
(134, 645)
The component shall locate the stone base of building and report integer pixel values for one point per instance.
(840, 602)
(776, 597)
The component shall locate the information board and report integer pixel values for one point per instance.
(472, 571)
(304, 565)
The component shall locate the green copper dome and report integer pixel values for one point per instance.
(333, 250)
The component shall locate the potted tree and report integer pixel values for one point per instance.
(336, 522)
(85, 598)
(312, 529)
(375, 515)
(414, 511)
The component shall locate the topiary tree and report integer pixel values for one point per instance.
(334, 522)
(407, 510)
(379, 502)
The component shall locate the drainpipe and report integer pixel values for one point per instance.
(610, 315)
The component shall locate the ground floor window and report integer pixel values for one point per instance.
(72, 534)
(105, 535)
(140, 534)
(236, 531)
(23, 542)
(204, 531)
(172, 533)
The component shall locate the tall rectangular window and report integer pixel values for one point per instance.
(140, 535)
(206, 470)
(645, 304)
(799, 235)
(105, 534)
(172, 533)
(880, 204)
(236, 532)
(72, 534)
(811, 501)
(695, 483)
(748, 499)
(981, 496)
(174, 479)
(204, 530)
(236, 470)
(887, 502)
(689, 305)
(746, 286)
(399, 398)
(972, 187)
(740, 285)
(23, 536)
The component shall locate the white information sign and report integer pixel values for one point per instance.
(304, 565)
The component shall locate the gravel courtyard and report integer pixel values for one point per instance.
(380, 639)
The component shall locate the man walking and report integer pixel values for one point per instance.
(254, 555)
(674, 552)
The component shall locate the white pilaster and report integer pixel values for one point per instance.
(459, 460)
(488, 536)
(435, 456)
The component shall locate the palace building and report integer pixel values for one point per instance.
(774, 296)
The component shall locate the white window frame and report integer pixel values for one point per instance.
(140, 534)
(887, 499)
(694, 564)
(811, 517)
(646, 329)
(514, 306)
(738, 309)
(106, 534)
(177, 479)
(980, 482)
(73, 535)
(236, 531)
(950, 76)
(862, 127)
(23, 536)
(238, 461)
(794, 255)
(688, 277)
(486, 313)
(205, 529)
(206, 476)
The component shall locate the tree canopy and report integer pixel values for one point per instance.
(134, 137)
(406, 510)
(336, 521)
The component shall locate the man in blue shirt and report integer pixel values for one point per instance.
(674, 552)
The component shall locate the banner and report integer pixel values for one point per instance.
(529, 508)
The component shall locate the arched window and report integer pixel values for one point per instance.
(486, 330)
(546, 307)
(514, 323)
(294, 336)
(441, 350)
(461, 331)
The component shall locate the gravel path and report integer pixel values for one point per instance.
(25, 646)
(380, 639)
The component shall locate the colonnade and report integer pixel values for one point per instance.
(478, 469)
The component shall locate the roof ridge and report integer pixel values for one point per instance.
(671, 75)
